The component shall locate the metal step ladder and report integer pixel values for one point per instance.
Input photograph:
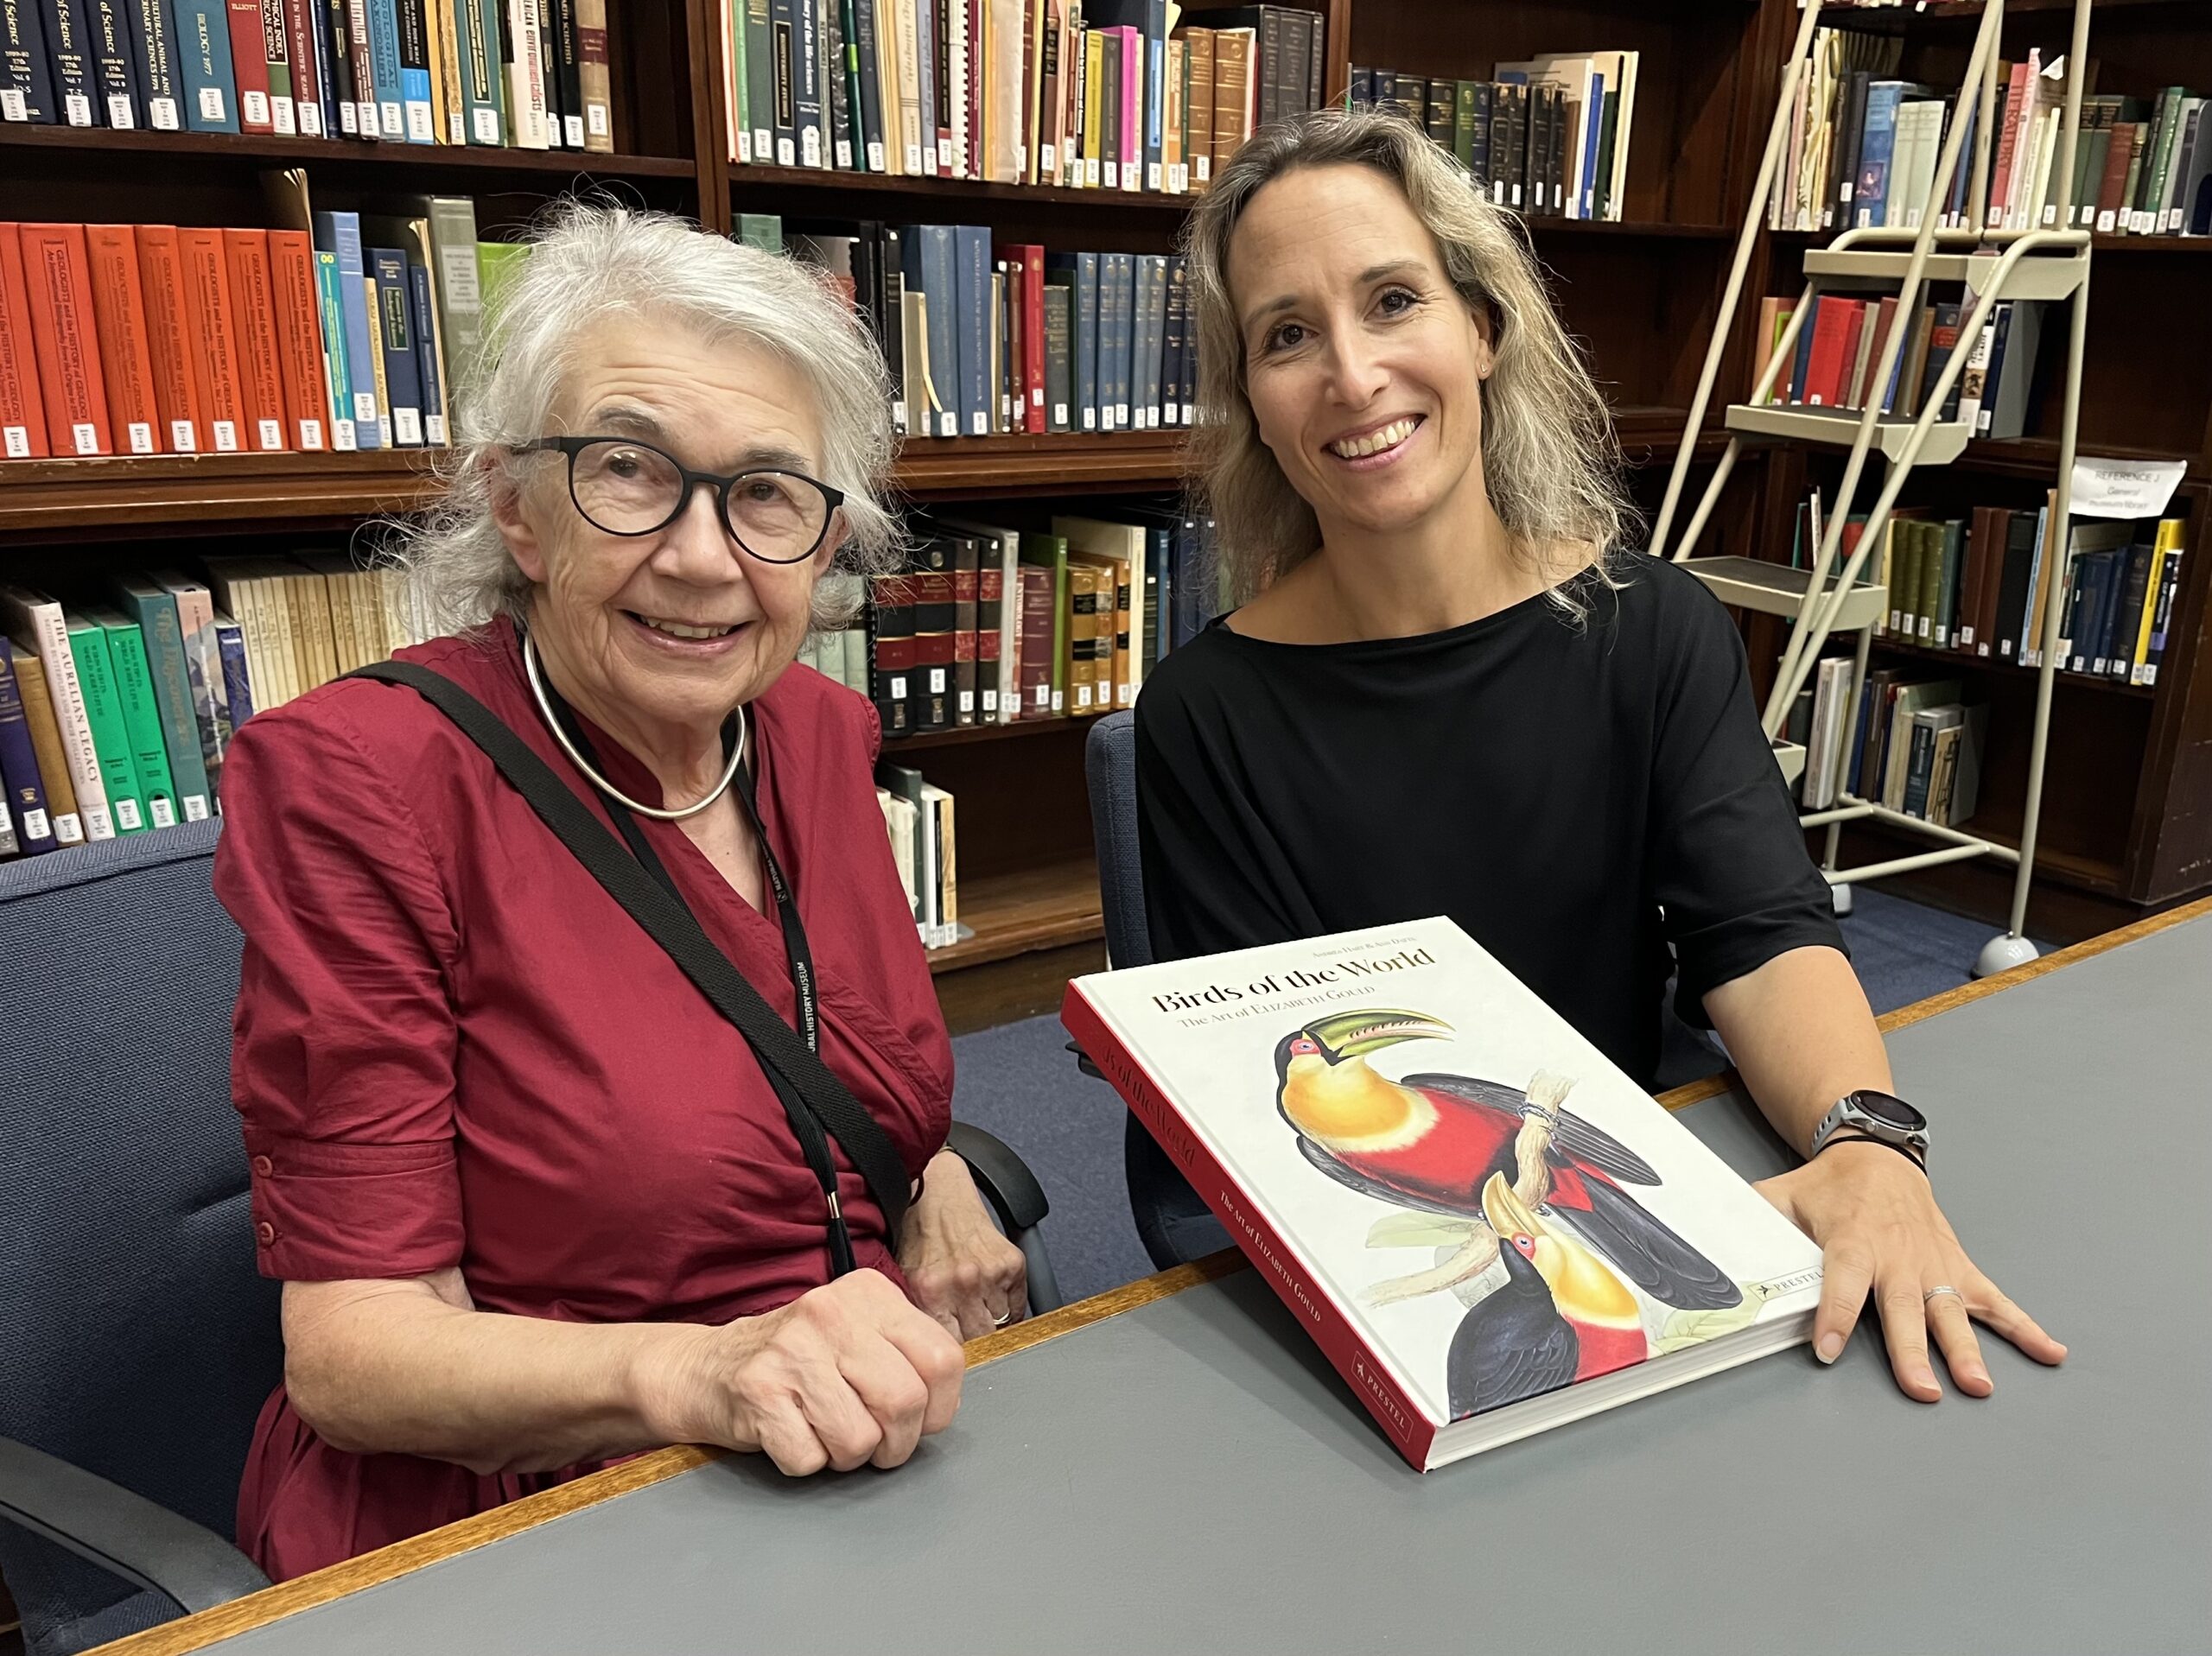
(2033, 264)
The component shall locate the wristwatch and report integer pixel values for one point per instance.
(1879, 1115)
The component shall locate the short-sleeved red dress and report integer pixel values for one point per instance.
(453, 1047)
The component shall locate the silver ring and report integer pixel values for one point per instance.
(1945, 1289)
(1000, 1321)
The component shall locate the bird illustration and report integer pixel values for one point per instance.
(1608, 1324)
(1432, 1141)
(1514, 1344)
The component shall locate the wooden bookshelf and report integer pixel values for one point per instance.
(1017, 913)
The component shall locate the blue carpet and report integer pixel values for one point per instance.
(1020, 1082)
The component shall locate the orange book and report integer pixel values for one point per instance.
(180, 382)
(253, 314)
(126, 360)
(64, 338)
(299, 335)
(23, 412)
(214, 335)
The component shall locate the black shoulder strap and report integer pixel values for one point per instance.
(669, 923)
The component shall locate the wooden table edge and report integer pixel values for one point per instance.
(196, 1632)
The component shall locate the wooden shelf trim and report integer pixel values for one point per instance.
(962, 735)
(262, 147)
(2061, 681)
(1014, 914)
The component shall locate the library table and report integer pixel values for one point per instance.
(1175, 1466)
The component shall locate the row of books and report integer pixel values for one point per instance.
(919, 816)
(115, 713)
(983, 338)
(990, 625)
(1840, 347)
(1085, 94)
(157, 339)
(526, 75)
(1975, 585)
(1865, 146)
(1548, 136)
(1915, 747)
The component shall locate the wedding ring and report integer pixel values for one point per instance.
(1945, 1289)
(1000, 1321)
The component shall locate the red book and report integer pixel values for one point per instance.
(1035, 668)
(180, 381)
(253, 309)
(1033, 334)
(2114, 184)
(126, 360)
(23, 412)
(306, 68)
(57, 276)
(299, 336)
(250, 65)
(1985, 569)
(215, 337)
(1837, 319)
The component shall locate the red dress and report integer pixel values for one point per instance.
(453, 1047)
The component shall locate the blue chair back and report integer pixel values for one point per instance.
(1110, 758)
(139, 1342)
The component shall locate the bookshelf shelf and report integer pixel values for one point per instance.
(790, 189)
(2063, 681)
(1067, 462)
(548, 166)
(1017, 913)
(966, 735)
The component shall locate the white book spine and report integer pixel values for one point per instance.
(50, 639)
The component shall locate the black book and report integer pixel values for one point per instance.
(1535, 147)
(1316, 45)
(870, 158)
(564, 54)
(1509, 144)
(1175, 389)
(1479, 155)
(932, 687)
(1361, 92)
(893, 278)
(68, 54)
(1843, 164)
(2012, 584)
(1443, 105)
(338, 64)
(122, 103)
(26, 82)
(783, 45)
(2128, 623)
(891, 652)
(835, 94)
(967, 570)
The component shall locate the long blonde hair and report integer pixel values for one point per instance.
(1550, 459)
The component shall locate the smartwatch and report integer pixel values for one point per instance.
(1879, 1115)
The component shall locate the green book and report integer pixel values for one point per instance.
(1463, 124)
(162, 630)
(1050, 552)
(1952, 543)
(1904, 590)
(760, 75)
(2151, 196)
(498, 264)
(762, 229)
(141, 717)
(734, 17)
(483, 78)
(331, 305)
(88, 653)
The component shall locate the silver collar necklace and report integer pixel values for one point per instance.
(560, 735)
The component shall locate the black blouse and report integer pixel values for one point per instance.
(1579, 798)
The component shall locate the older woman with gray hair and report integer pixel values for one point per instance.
(1452, 686)
(547, 1182)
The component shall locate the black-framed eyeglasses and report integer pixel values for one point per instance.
(627, 487)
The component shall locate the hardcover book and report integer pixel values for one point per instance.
(1487, 1228)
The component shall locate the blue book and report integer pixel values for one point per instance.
(1121, 289)
(154, 62)
(927, 268)
(971, 258)
(205, 76)
(69, 55)
(806, 75)
(1083, 335)
(782, 35)
(929, 42)
(26, 82)
(1870, 202)
(22, 790)
(421, 317)
(1593, 136)
(412, 42)
(384, 62)
(340, 233)
(1152, 335)
(396, 338)
(122, 102)
(238, 682)
(1955, 211)
(1797, 368)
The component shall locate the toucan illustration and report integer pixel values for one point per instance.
(1433, 1141)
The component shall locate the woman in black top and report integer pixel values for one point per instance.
(1439, 696)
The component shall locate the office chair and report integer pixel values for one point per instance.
(141, 1341)
(1173, 1221)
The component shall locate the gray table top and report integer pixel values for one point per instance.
(1192, 1474)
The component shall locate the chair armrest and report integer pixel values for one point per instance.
(123, 1533)
(1002, 1176)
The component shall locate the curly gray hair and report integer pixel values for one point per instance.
(1550, 460)
(588, 261)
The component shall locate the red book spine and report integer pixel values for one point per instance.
(126, 360)
(1410, 1431)
(2114, 184)
(66, 339)
(207, 288)
(307, 70)
(299, 336)
(1033, 334)
(180, 381)
(1824, 373)
(253, 311)
(250, 65)
(22, 410)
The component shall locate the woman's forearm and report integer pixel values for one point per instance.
(410, 1367)
(1802, 1036)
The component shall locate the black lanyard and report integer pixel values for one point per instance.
(812, 1135)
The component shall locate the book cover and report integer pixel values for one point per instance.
(64, 338)
(22, 788)
(114, 72)
(26, 80)
(22, 407)
(154, 612)
(594, 77)
(1045, 626)
(203, 666)
(141, 720)
(303, 58)
(1058, 299)
(395, 338)
(891, 652)
(525, 84)
(298, 327)
(250, 65)
(69, 56)
(102, 708)
(36, 624)
(972, 280)
(211, 321)
(934, 686)
(266, 420)
(423, 320)
(967, 592)
(339, 233)
(411, 56)
(1081, 270)
(1511, 1236)
(206, 77)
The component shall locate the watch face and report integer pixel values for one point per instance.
(1895, 1111)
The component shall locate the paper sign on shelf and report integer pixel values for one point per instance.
(2123, 488)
